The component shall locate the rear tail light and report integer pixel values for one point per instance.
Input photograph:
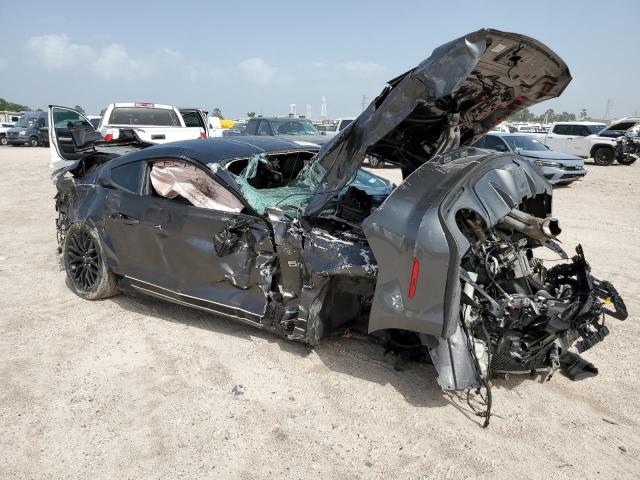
(203, 135)
(414, 278)
(108, 137)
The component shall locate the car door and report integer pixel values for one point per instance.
(558, 138)
(579, 143)
(194, 117)
(218, 260)
(130, 242)
(70, 135)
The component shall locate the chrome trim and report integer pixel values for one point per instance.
(190, 296)
(199, 307)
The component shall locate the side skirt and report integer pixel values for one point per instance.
(135, 285)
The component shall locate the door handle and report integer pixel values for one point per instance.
(122, 218)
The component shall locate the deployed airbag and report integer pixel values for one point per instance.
(172, 178)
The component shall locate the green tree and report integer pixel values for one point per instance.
(549, 115)
(216, 112)
(251, 114)
(566, 117)
(12, 107)
(79, 109)
(583, 114)
(524, 115)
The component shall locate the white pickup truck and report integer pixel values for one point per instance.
(584, 139)
(152, 122)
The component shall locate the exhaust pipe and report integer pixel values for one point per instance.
(534, 227)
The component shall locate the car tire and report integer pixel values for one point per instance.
(3, 140)
(603, 156)
(627, 160)
(375, 162)
(83, 257)
(34, 142)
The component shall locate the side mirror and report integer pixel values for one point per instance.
(501, 148)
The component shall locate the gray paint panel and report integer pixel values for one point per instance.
(418, 221)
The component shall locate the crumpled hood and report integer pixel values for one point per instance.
(451, 99)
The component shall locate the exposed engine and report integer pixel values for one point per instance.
(627, 150)
(517, 315)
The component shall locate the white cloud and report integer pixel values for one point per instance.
(56, 52)
(114, 62)
(258, 71)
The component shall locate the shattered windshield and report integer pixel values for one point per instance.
(292, 127)
(288, 181)
(517, 143)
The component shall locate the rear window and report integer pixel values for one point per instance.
(159, 117)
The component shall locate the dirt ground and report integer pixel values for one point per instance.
(137, 388)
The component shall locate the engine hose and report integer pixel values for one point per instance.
(490, 275)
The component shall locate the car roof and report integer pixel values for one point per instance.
(222, 149)
(142, 105)
(293, 119)
(580, 123)
(509, 134)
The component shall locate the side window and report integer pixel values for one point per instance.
(480, 143)
(581, 130)
(263, 128)
(495, 143)
(192, 119)
(563, 129)
(63, 118)
(127, 176)
(188, 184)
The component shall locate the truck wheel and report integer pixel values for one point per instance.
(87, 274)
(3, 140)
(603, 156)
(626, 159)
(34, 142)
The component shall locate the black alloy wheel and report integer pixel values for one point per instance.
(603, 156)
(87, 274)
(82, 260)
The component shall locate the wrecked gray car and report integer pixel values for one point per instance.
(288, 240)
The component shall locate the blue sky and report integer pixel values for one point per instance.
(262, 56)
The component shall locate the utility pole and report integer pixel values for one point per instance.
(364, 101)
(608, 109)
(308, 111)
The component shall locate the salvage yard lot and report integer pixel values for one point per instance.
(138, 388)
